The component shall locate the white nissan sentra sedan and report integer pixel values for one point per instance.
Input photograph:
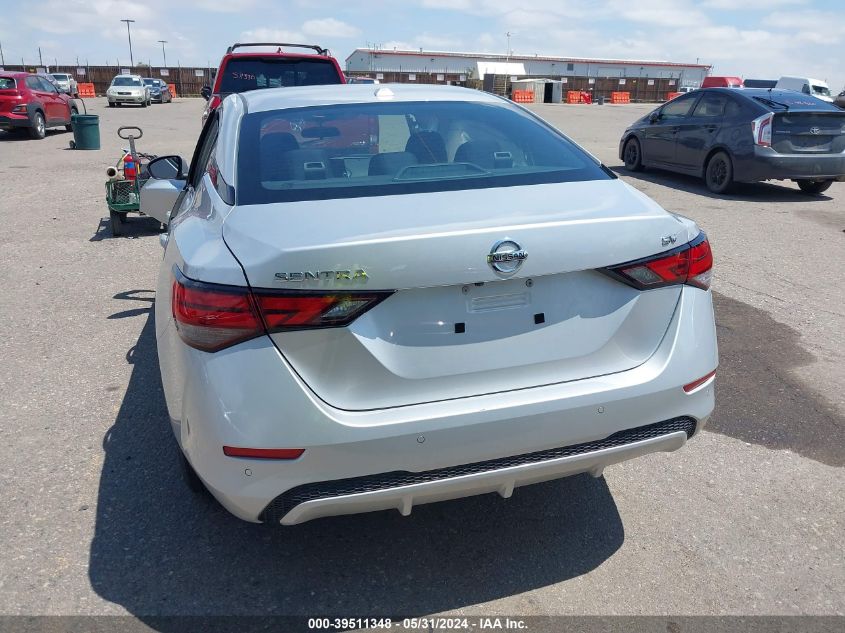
(381, 296)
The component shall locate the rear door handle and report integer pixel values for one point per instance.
(710, 128)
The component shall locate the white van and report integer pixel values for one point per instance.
(807, 85)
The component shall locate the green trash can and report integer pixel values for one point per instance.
(86, 131)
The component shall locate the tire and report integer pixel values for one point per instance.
(719, 173)
(69, 126)
(814, 187)
(144, 104)
(189, 475)
(117, 221)
(633, 155)
(39, 127)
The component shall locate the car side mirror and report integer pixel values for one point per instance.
(206, 92)
(654, 117)
(167, 168)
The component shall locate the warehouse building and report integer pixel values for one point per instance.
(645, 80)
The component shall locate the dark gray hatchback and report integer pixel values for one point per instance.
(747, 135)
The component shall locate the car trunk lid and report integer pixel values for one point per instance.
(809, 132)
(454, 327)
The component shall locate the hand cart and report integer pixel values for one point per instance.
(123, 189)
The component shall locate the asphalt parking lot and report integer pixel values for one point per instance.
(94, 518)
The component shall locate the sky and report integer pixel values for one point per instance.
(747, 38)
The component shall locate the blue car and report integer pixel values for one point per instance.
(747, 135)
(159, 91)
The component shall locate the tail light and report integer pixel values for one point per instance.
(761, 128)
(690, 264)
(210, 317)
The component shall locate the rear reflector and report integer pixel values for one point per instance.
(690, 264)
(263, 453)
(695, 384)
(210, 317)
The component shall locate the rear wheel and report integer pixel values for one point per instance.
(39, 126)
(633, 155)
(117, 221)
(718, 175)
(69, 126)
(192, 480)
(814, 187)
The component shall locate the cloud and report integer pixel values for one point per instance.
(748, 5)
(271, 35)
(79, 15)
(330, 28)
(223, 6)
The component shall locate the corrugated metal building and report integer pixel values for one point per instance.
(648, 77)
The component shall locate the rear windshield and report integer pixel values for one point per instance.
(126, 81)
(251, 73)
(61, 77)
(7, 83)
(791, 100)
(380, 149)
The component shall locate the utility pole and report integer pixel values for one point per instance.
(508, 35)
(40, 61)
(2, 59)
(163, 42)
(129, 34)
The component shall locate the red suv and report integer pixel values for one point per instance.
(31, 102)
(242, 71)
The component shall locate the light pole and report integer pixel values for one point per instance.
(508, 35)
(163, 42)
(131, 59)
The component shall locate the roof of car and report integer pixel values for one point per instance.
(17, 74)
(792, 98)
(304, 96)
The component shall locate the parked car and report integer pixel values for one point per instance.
(727, 136)
(722, 82)
(467, 302)
(67, 84)
(685, 89)
(760, 83)
(840, 100)
(807, 85)
(240, 71)
(30, 102)
(128, 89)
(159, 91)
(362, 80)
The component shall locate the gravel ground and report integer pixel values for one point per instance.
(94, 519)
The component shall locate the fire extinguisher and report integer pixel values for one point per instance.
(130, 171)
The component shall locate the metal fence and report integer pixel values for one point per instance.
(188, 80)
(643, 89)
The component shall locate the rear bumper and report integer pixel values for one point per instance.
(248, 396)
(769, 165)
(13, 121)
(402, 491)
